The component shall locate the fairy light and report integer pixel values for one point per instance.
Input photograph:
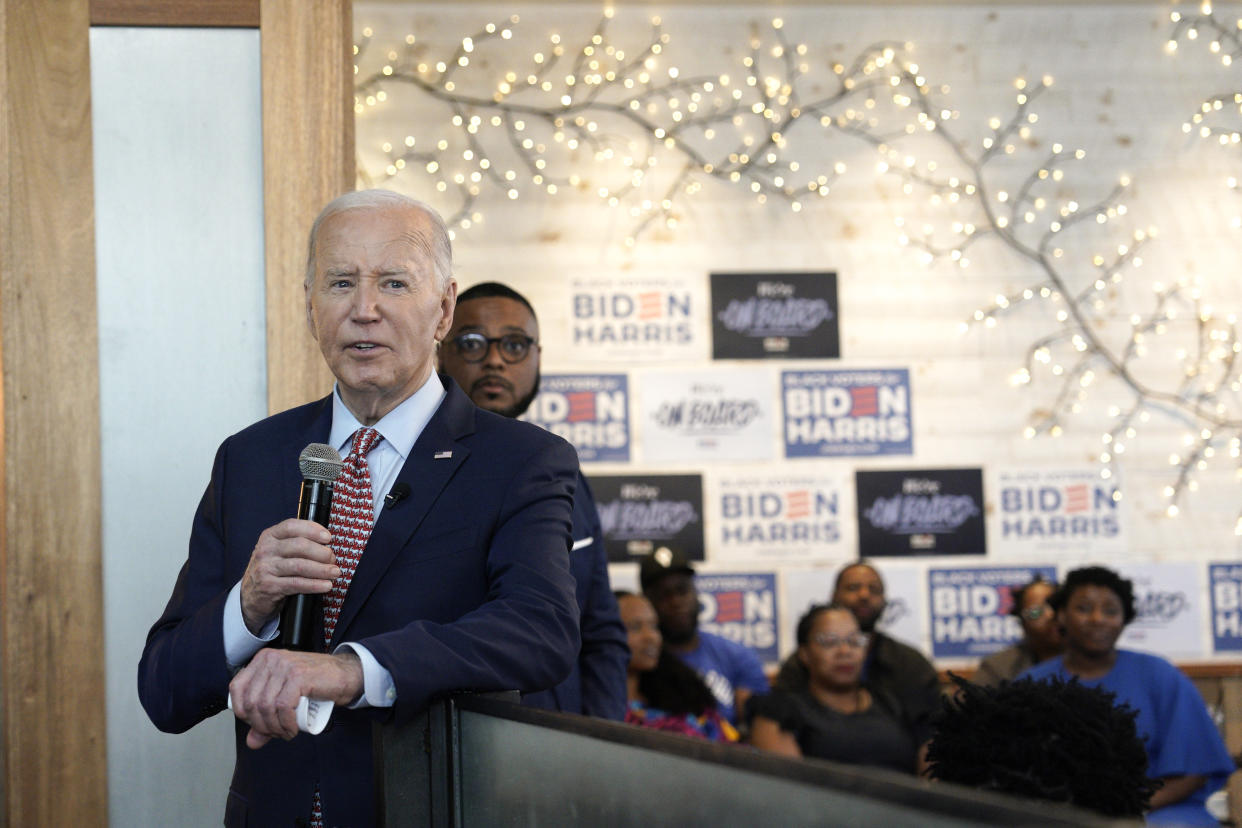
(539, 116)
(631, 109)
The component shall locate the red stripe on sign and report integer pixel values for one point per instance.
(581, 406)
(649, 305)
(728, 607)
(798, 504)
(1076, 498)
(864, 401)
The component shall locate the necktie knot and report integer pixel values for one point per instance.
(364, 440)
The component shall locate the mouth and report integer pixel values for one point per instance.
(362, 347)
(491, 385)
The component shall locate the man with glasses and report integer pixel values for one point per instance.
(492, 352)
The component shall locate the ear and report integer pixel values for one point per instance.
(803, 658)
(448, 303)
(310, 317)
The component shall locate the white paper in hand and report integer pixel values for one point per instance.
(313, 714)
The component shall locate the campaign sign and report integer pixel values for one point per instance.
(1058, 510)
(701, 416)
(741, 608)
(847, 413)
(926, 512)
(780, 516)
(970, 608)
(775, 316)
(641, 513)
(589, 410)
(626, 318)
(1226, 589)
(1168, 606)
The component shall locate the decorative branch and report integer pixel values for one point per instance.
(1219, 117)
(645, 126)
(621, 124)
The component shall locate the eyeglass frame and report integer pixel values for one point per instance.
(528, 341)
(855, 641)
(1035, 613)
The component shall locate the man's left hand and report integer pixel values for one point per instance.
(266, 691)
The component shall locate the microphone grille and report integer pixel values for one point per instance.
(319, 461)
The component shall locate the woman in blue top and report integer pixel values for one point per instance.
(1185, 752)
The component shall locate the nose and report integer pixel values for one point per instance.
(366, 301)
(491, 356)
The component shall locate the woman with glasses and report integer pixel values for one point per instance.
(835, 717)
(1041, 636)
(1185, 753)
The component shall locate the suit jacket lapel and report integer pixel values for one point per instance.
(433, 461)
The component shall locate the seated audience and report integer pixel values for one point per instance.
(664, 693)
(1053, 740)
(834, 717)
(730, 670)
(890, 667)
(1041, 635)
(1185, 752)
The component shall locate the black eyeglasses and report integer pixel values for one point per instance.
(1035, 613)
(473, 347)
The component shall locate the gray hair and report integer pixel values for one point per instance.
(441, 249)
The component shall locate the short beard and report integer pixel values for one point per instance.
(680, 638)
(522, 403)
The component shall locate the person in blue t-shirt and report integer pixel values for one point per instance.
(730, 670)
(1186, 755)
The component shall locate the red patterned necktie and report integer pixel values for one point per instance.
(350, 523)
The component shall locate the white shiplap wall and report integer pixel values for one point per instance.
(1116, 94)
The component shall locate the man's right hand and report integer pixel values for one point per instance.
(291, 558)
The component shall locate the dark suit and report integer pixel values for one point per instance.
(465, 584)
(596, 686)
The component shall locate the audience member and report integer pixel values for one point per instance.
(1054, 740)
(505, 379)
(1184, 749)
(1041, 635)
(890, 667)
(664, 693)
(731, 671)
(835, 717)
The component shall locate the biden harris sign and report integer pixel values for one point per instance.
(970, 608)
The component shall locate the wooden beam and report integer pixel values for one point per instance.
(308, 159)
(220, 13)
(51, 607)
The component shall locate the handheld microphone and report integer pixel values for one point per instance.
(321, 466)
(396, 494)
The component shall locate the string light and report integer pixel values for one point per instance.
(600, 119)
(622, 123)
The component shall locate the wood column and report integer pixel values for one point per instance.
(308, 159)
(51, 607)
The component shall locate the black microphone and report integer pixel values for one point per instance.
(321, 466)
(398, 493)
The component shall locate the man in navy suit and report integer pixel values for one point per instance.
(463, 584)
(505, 379)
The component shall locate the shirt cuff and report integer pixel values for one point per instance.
(378, 688)
(239, 644)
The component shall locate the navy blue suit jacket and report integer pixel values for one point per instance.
(465, 584)
(596, 686)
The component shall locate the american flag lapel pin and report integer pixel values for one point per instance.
(442, 455)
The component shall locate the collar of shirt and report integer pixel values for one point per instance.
(400, 428)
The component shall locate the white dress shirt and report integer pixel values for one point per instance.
(399, 428)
